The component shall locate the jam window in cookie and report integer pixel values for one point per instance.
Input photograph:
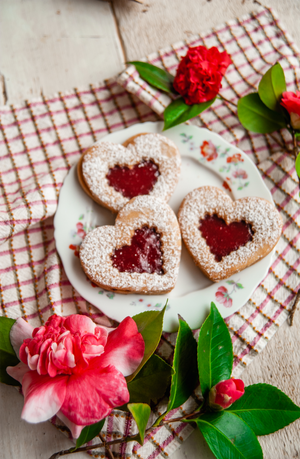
(135, 181)
(144, 255)
(223, 239)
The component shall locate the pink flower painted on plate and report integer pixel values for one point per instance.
(80, 231)
(208, 150)
(222, 296)
(74, 368)
(240, 173)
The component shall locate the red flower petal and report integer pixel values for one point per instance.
(125, 347)
(92, 395)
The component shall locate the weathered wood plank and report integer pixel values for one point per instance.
(158, 23)
(20, 440)
(56, 45)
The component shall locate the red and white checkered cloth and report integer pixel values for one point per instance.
(41, 139)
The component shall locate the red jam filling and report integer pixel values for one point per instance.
(223, 239)
(144, 255)
(131, 182)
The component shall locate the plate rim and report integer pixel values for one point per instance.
(157, 125)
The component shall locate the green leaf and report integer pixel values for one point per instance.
(149, 324)
(155, 76)
(228, 436)
(265, 409)
(8, 357)
(239, 286)
(256, 117)
(88, 433)
(271, 87)
(215, 356)
(185, 376)
(151, 382)
(297, 165)
(141, 413)
(178, 112)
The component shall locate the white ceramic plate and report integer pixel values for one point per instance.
(207, 159)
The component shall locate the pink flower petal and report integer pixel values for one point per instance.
(77, 323)
(92, 395)
(74, 428)
(19, 331)
(18, 371)
(125, 347)
(43, 396)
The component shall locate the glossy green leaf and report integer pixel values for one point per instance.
(149, 324)
(8, 357)
(185, 374)
(265, 409)
(155, 76)
(215, 357)
(271, 87)
(141, 413)
(256, 117)
(152, 382)
(297, 165)
(228, 436)
(88, 433)
(178, 112)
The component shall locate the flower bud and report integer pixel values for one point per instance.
(225, 393)
(291, 102)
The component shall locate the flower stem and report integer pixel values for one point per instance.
(295, 146)
(107, 449)
(294, 307)
(159, 422)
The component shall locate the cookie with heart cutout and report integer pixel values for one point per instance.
(225, 236)
(146, 164)
(139, 254)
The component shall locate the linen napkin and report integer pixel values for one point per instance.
(40, 140)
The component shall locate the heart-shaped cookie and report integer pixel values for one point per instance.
(146, 164)
(225, 236)
(140, 254)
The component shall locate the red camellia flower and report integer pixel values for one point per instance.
(291, 101)
(74, 368)
(199, 74)
(223, 394)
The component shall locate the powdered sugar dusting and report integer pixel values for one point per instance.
(264, 219)
(99, 245)
(148, 147)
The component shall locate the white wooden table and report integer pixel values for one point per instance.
(53, 45)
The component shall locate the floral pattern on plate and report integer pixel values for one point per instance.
(223, 296)
(228, 165)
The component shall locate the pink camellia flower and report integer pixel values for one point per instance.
(74, 368)
(223, 394)
(291, 101)
(223, 297)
